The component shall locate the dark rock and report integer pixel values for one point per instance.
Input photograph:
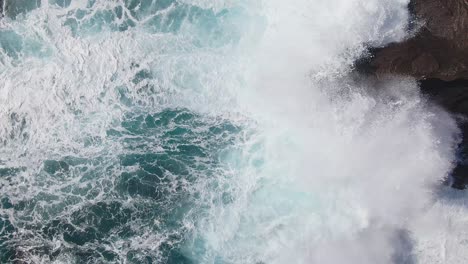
(438, 50)
(453, 96)
(425, 64)
(437, 55)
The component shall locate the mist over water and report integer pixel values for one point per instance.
(165, 131)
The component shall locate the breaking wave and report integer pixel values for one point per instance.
(179, 131)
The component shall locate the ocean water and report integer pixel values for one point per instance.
(217, 131)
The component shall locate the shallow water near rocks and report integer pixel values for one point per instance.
(178, 131)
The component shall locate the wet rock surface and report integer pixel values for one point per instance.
(436, 55)
(439, 48)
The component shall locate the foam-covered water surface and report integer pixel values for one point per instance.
(193, 131)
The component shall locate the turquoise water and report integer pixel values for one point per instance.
(211, 131)
(173, 166)
(146, 192)
(127, 194)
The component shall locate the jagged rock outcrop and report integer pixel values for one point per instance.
(439, 49)
(437, 55)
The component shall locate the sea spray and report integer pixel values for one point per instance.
(213, 132)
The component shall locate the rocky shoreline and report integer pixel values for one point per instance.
(437, 56)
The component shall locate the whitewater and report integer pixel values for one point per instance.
(218, 131)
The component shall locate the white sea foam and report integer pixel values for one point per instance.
(329, 167)
(347, 165)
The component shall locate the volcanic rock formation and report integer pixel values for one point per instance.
(438, 50)
(437, 55)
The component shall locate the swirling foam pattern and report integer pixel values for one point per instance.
(212, 131)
